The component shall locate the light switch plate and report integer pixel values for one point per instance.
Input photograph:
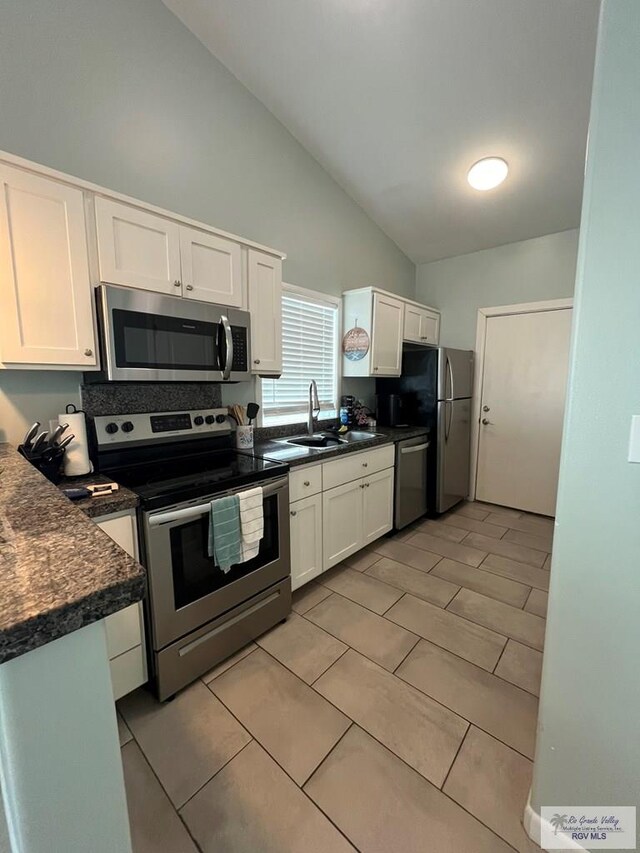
(634, 439)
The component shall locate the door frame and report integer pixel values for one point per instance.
(478, 373)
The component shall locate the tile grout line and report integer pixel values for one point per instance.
(220, 769)
(455, 758)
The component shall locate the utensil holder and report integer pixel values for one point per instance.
(244, 437)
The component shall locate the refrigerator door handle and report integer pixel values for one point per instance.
(448, 414)
(450, 396)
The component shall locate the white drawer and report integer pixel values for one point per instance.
(128, 671)
(123, 630)
(304, 482)
(352, 466)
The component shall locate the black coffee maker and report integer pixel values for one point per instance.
(392, 410)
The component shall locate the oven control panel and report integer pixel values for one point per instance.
(155, 426)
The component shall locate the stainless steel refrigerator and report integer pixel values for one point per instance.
(437, 384)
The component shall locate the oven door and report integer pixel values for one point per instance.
(150, 337)
(186, 588)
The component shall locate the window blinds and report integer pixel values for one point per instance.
(309, 330)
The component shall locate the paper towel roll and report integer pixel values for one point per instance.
(76, 459)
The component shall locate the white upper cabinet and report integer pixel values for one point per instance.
(265, 305)
(376, 324)
(211, 268)
(45, 291)
(386, 342)
(373, 323)
(140, 249)
(421, 325)
(137, 249)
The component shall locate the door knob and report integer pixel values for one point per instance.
(486, 421)
(486, 409)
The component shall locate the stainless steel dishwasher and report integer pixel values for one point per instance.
(411, 480)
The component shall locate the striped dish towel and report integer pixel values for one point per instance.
(251, 522)
(225, 541)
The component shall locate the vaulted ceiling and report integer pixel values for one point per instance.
(397, 98)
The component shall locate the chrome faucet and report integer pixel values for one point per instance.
(314, 405)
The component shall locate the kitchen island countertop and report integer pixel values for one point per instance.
(60, 572)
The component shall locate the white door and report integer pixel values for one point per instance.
(137, 249)
(522, 408)
(211, 268)
(378, 505)
(386, 346)
(265, 305)
(341, 522)
(45, 291)
(430, 328)
(306, 540)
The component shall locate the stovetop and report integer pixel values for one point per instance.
(167, 482)
(168, 458)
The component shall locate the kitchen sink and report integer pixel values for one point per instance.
(317, 441)
(328, 441)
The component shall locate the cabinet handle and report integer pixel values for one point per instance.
(366, 485)
(365, 464)
(177, 283)
(375, 369)
(307, 483)
(256, 361)
(189, 287)
(294, 512)
(88, 352)
(362, 485)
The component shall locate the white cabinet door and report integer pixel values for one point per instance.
(430, 328)
(45, 290)
(125, 629)
(265, 305)
(211, 268)
(386, 344)
(137, 249)
(306, 540)
(377, 505)
(412, 321)
(341, 522)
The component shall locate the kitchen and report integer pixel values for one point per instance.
(236, 335)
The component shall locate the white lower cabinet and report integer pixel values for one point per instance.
(377, 505)
(125, 629)
(343, 512)
(306, 540)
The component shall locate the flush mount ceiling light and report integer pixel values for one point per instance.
(488, 173)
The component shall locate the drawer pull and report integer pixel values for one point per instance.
(294, 512)
(307, 483)
(365, 464)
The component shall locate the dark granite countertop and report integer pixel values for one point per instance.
(296, 455)
(104, 505)
(60, 572)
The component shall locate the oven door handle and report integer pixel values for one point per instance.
(228, 336)
(154, 520)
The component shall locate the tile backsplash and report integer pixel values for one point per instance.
(123, 398)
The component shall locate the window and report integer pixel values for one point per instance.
(309, 351)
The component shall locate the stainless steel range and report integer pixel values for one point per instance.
(177, 463)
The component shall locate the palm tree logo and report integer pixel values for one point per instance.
(558, 821)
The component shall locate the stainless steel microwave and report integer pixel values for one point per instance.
(149, 337)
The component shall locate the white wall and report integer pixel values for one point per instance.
(528, 271)
(122, 94)
(588, 748)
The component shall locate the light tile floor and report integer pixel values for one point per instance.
(394, 710)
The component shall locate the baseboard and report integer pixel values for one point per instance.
(533, 827)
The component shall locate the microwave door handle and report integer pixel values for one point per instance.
(228, 362)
